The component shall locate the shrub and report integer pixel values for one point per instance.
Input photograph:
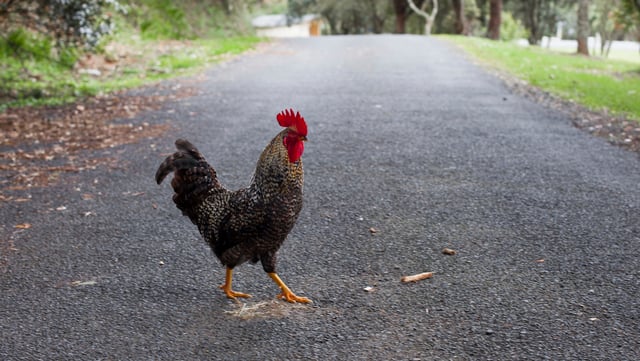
(511, 29)
(69, 22)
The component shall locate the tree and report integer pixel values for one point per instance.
(462, 26)
(428, 17)
(632, 3)
(538, 16)
(400, 8)
(346, 16)
(608, 24)
(495, 20)
(377, 14)
(583, 27)
(629, 14)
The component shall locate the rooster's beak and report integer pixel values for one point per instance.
(303, 138)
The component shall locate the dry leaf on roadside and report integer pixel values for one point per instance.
(83, 283)
(23, 226)
(449, 251)
(417, 277)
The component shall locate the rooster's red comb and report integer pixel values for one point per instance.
(291, 119)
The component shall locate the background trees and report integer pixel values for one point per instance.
(488, 18)
(583, 27)
(83, 23)
(495, 19)
(429, 17)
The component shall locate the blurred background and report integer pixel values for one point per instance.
(54, 51)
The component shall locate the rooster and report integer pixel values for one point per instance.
(249, 224)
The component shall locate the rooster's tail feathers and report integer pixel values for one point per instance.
(193, 176)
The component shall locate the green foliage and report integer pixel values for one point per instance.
(447, 18)
(510, 28)
(631, 6)
(23, 44)
(347, 16)
(37, 60)
(34, 81)
(68, 56)
(628, 15)
(595, 83)
(189, 19)
(541, 16)
(162, 19)
(69, 22)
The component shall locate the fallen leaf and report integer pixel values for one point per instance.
(541, 260)
(373, 230)
(449, 251)
(417, 277)
(83, 283)
(23, 226)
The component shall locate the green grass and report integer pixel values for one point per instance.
(630, 56)
(30, 80)
(596, 83)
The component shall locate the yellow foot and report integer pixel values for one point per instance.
(226, 287)
(233, 294)
(292, 298)
(286, 292)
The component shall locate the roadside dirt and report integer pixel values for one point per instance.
(39, 144)
(618, 130)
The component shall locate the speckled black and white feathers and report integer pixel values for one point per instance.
(193, 177)
(248, 224)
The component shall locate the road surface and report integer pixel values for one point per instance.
(406, 137)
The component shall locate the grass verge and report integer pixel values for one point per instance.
(43, 81)
(601, 85)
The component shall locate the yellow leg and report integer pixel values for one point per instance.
(226, 287)
(286, 292)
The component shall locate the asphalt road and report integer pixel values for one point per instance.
(407, 136)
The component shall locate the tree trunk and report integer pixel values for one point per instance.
(495, 19)
(428, 18)
(462, 27)
(583, 27)
(400, 7)
(531, 17)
